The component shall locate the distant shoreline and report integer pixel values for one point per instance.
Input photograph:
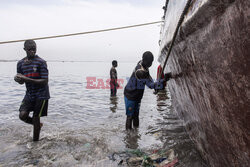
(8, 60)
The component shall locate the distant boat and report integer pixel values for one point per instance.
(211, 64)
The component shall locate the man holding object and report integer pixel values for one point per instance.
(32, 70)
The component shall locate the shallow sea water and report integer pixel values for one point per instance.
(85, 126)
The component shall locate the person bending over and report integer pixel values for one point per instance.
(134, 89)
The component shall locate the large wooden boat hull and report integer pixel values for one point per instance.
(211, 64)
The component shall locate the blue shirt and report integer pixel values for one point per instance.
(36, 68)
(135, 87)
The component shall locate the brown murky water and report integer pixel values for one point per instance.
(85, 126)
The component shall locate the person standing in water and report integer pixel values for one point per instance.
(113, 78)
(134, 89)
(32, 70)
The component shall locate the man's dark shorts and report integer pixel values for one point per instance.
(39, 107)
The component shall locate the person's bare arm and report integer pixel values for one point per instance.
(21, 78)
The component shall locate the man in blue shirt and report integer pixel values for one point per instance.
(134, 89)
(32, 70)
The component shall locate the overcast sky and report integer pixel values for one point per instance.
(22, 19)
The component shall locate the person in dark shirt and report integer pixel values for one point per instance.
(32, 70)
(134, 89)
(113, 79)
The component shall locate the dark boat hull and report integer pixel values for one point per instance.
(211, 88)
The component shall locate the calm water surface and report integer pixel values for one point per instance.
(85, 126)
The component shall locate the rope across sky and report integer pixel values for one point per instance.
(81, 33)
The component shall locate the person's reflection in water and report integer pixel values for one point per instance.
(131, 139)
(162, 95)
(162, 98)
(113, 103)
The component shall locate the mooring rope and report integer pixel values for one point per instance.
(82, 33)
(175, 34)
